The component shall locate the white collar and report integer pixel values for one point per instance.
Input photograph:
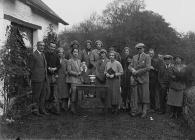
(141, 54)
(39, 51)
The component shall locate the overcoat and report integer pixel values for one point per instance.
(142, 63)
(61, 81)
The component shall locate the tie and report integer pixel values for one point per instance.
(138, 57)
(43, 58)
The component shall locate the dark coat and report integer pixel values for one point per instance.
(38, 67)
(153, 74)
(100, 68)
(164, 73)
(52, 61)
(61, 81)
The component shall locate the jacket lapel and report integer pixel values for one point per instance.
(75, 66)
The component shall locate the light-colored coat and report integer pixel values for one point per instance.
(94, 57)
(142, 66)
(73, 71)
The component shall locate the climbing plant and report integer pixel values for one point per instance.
(14, 66)
(51, 36)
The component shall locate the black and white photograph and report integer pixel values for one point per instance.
(97, 70)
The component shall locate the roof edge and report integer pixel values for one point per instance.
(34, 5)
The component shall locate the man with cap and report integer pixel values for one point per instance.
(142, 64)
(163, 76)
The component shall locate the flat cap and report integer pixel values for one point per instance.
(74, 42)
(178, 56)
(167, 57)
(103, 51)
(139, 45)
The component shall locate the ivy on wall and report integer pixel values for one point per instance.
(14, 66)
(51, 36)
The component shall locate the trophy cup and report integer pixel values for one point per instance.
(92, 79)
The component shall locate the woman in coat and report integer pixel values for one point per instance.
(94, 57)
(176, 87)
(74, 78)
(113, 71)
(62, 89)
(125, 77)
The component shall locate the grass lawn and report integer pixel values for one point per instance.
(94, 125)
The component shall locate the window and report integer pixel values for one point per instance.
(26, 33)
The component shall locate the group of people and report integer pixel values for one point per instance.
(135, 83)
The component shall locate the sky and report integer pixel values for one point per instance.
(179, 13)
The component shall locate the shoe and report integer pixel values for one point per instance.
(143, 115)
(161, 112)
(45, 113)
(91, 96)
(151, 110)
(176, 116)
(171, 115)
(132, 114)
(73, 108)
(116, 112)
(37, 114)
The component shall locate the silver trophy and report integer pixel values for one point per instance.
(92, 79)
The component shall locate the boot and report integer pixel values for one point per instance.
(144, 114)
(172, 112)
(73, 108)
(64, 104)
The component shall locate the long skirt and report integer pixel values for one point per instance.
(175, 97)
(62, 88)
(114, 91)
(103, 94)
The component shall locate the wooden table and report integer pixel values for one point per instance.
(92, 87)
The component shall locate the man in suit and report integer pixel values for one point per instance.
(163, 77)
(53, 65)
(39, 79)
(142, 64)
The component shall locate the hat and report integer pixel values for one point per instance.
(89, 41)
(126, 48)
(103, 51)
(177, 56)
(139, 45)
(75, 42)
(99, 41)
(167, 57)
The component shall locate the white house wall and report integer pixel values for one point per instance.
(19, 10)
(2, 27)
